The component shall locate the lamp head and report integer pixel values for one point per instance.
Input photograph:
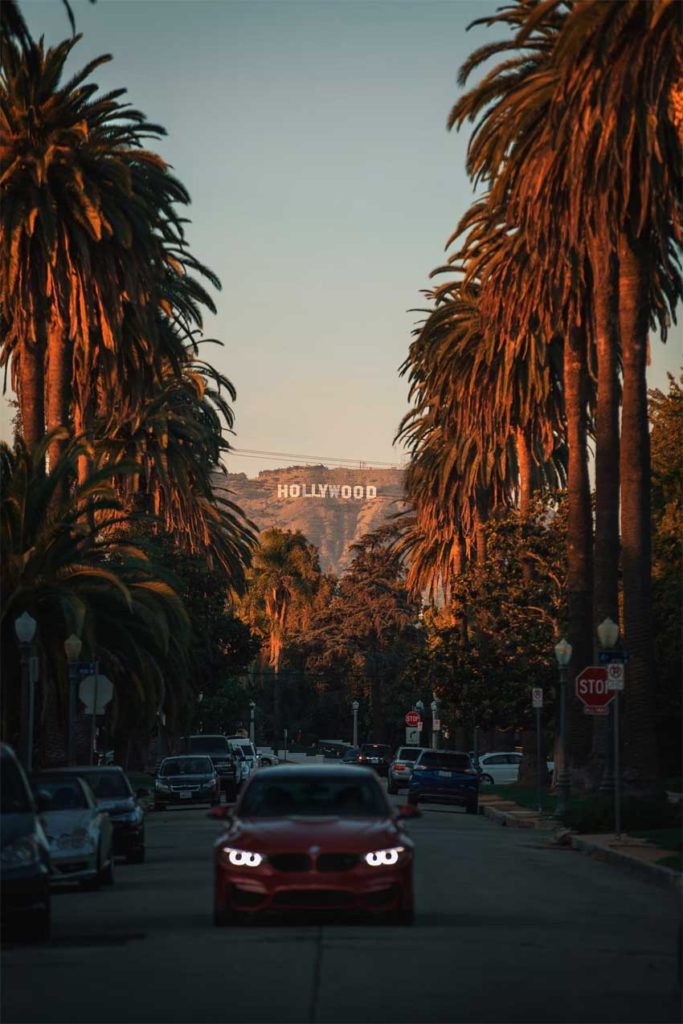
(608, 633)
(419, 704)
(354, 705)
(434, 706)
(563, 653)
(72, 647)
(25, 628)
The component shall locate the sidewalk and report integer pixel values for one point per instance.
(636, 855)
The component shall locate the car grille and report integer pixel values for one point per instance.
(246, 898)
(381, 897)
(290, 861)
(337, 861)
(69, 869)
(185, 789)
(313, 898)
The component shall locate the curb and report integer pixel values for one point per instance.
(665, 877)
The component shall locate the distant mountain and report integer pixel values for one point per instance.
(332, 507)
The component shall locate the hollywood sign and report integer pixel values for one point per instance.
(358, 492)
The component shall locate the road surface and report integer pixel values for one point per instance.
(506, 931)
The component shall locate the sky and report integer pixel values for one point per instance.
(312, 139)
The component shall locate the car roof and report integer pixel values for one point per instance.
(299, 770)
(444, 750)
(186, 757)
(77, 769)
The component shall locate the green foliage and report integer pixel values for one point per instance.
(637, 813)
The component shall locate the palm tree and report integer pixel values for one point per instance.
(88, 221)
(282, 581)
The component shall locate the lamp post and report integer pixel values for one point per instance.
(252, 708)
(354, 708)
(608, 634)
(435, 732)
(419, 707)
(72, 649)
(25, 628)
(563, 654)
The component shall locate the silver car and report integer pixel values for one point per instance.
(401, 768)
(79, 832)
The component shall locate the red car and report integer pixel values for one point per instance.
(313, 838)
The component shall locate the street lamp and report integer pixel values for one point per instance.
(25, 628)
(563, 654)
(72, 649)
(608, 634)
(435, 733)
(252, 707)
(354, 708)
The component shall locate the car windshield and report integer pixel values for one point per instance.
(14, 797)
(248, 749)
(316, 797)
(187, 766)
(408, 754)
(445, 759)
(209, 745)
(65, 794)
(375, 749)
(107, 785)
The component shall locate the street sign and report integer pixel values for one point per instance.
(537, 697)
(419, 726)
(412, 719)
(412, 736)
(615, 676)
(592, 690)
(96, 692)
(436, 725)
(86, 668)
(607, 657)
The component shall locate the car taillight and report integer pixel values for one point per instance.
(471, 771)
(399, 767)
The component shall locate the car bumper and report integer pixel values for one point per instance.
(76, 866)
(128, 837)
(399, 779)
(366, 890)
(198, 797)
(460, 795)
(382, 768)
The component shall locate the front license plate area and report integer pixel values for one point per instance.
(186, 796)
(445, 775)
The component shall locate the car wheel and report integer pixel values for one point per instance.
(91, 884)
(413, 799)
(472, 807)
(137, 856)
(486, 778)
(231, 794)
(107, 874)
(391, 788)
(266, 762)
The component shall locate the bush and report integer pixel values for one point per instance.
(596, 814)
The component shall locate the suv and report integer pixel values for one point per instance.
(447, 776)
(25, 858)
(217, 747)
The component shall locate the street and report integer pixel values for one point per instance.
(506, 930)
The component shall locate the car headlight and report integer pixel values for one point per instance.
(20, 853)
(384, 858)
(161, 785)
(129, 817)
(209, 785)
(242, 858)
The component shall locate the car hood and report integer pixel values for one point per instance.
(58, 822)
(282, 835)
(15, 826)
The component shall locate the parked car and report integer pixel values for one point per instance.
(375, 755)
(445, 776)
(332, 750)
(350, 755)
(24, 853)
(79, 832)
(187, 779)
(314, 837)
(248, 751)
(266, 757)
(401, 768)
(226, 763)
(114, 794)
(501, 768)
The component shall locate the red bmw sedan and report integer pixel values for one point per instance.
(313, 838)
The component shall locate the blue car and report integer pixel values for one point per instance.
(445, 776)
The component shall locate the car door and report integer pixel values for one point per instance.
(514, 762)
(496, 766)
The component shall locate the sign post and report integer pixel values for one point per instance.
(615, 682)
(537, 704)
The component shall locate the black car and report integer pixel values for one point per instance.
(188, 779)
(350, 756)
(115, 795)
(25, 855)
(225, 760)
(377, 756)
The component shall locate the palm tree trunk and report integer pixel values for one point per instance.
(525, 465)
(57, 386)
(640, 743)
(579, 541)
(606, 569)
(31, 383)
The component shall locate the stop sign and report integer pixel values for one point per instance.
(412, 719)
(591, 687)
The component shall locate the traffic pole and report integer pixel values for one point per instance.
(617, 769)
(538, 760)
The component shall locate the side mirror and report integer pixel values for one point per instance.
(408, 811)
(141, 793)
(220, 813)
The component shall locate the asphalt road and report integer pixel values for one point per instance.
(506, 931)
